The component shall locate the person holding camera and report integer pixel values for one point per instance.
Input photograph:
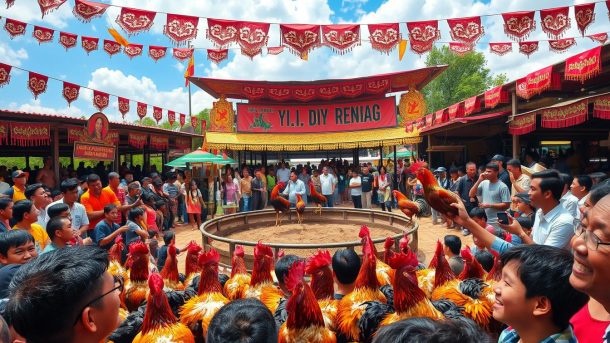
(494, 194)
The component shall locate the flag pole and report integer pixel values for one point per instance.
(190, 111)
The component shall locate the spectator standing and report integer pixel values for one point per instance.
(502, 173)
(355, 187)
(160, 196)
(169, 188)
(258, 187)
(327, 186)
(271, 182)
(133, 193)
(3, 185)
(581, 185)
(495, 195)
(194, 204)
(264, 194)
(443, 181)
(148, 203)
(465, 184)
(568, 200)
(283, 174)
(304, 177)
(78, 213)
(46, 175)
(385, 190)
(6, 214)
(26, 215)
(37, 194)
(245, 185)
(294, 187)
(519, 181)
(17, 192)
(317, 182)
(95, 198)
(366, 184)
(231, 191)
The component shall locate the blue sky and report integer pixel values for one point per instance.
(161, 83)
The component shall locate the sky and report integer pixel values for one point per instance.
(162, 84)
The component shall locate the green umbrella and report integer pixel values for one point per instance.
(400, 154)
(197, 156)
(226, 159)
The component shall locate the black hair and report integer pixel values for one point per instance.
(452, 170)
(525, 222)
(31, 189)
(514, 163)
(55, 192)
(133, 185)
(13, 239)
(545, 271)
(158, 204)
(549, 181)
(68, 185)
(4, 202)
(5, 334)
(108, 208)
(492, 166)
(56, 223)
(168, 236)
(135, 213)
(283, 265)
(566, 179)
(598, 192)
(423, 330)
(93, 178)
(346, 265)
(583, 180)
(57, 209)
(454, 243)
(46, 294)
(242, 321)
(485, 258)
(478, 212)
(113, 175)
(20, 208)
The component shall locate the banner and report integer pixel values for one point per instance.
(583, 66)
(522, 124)
(440, 117)
(601, 107)
(347, 116)
(159, 142)
(137, 140)
(183, 143)
(4, 127)
(75, 133)
(30, 134)
(97, 152)
(538, 81)
(472, 105)
(455, 111)
(384, 37)
(565, 116)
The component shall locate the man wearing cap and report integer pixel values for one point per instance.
(502, 173)
(17, 192)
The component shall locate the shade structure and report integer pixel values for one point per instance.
(197, 156)
(226, 159)
(400, 154)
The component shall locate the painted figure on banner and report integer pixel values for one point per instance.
(222, 116)
(97, 127)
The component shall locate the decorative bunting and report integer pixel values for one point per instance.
(521, 88)
(455, 111)
(159, 142)
(440, 117)
(275, 50)
(555, 21)
(47, 6)
(5, 74)
(70, 92)
(252, 37)
(341, 38)
(528, 48)
(182, 54)
(9, 3)
(100, 100)
(43, 34)
(68, 40)
(522, 125)
(85, 11)
(14, 27)
(583, 66)
(194, 121)
(30, 134)
(466, 30)
(423, 34)
(305, 93)
(75, 133)
(123, 106)
(561, 45)
(222, 32)
(501, 48)
(181, 28)
(171, 118)
(37, 83)
(218, 55)
(538, 81)
(518, 25)
(565, 116)
(472, 105)
(495, 96)
(89, 43)
(111, 47)
(134, 21)
(182, 119)
(157, 52)
(157, 113)
(429, 119)
(300, 38)
(137, 140)
(141, 109)
(326, 93)
(460, 48)
(601, 38)
(409, 127)
(585, 15)
(601, 107)
(133, 50)
(384, 37)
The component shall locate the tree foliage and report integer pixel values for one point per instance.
(464, 77)
(164, 124)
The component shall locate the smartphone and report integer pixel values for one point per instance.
(503, 218)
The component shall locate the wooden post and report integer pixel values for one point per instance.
(429, 151)
(395, 178)
(514, 113)
(380, 158)
(56, 154)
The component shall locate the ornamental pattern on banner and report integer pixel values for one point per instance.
(67, 40)
(472, 105)
(601, 38)
(70, 92)
(89, 43)
(159, 142)
(455, 111)
(440, 117)
(182, 54)
(85, 11)
(584, 15)
(222, 32)
(423, 34)
(341, 38)
(182, 143)
(538, 81)
(123, 106)
(181, 28)
(42, 34)
(218, 55)
(384, 37)
(561, 45)
(521, 88)
(601, 107)
(565, 116)
(47, 6)
(252, 37)
(157, 52)
(466, 30)
(495, 96)
(182, 119)
(518, 25)
(14, 27)
(157, 113)
(30, 134)
(528, 48)
(460, 48)
(133, 50)
(522, 124)
(137, 140)
(5, 74)
(111, 47)
(501, 48)
(171, 117)
(134, 21)
(37, 83)
(194, 122)
(555, 21)
(300, 39)
(141, 109)
(100, 100)
(583, 66)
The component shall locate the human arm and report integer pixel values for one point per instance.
(463, 219)
(475, 188)
(109, 238)
(515, 228)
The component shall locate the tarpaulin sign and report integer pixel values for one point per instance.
(88, 151)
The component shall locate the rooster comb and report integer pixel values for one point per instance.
(208, 257)
(318, 261)
(194, 248)
(389, 242)
(467, 254)
(364, 231)
(239, 251)
(138, 247)
(155, 283)
(403, 260)
(404, 242)
(418, 165)
(261, 249)
(295, 275)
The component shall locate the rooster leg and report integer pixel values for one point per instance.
(277, 218)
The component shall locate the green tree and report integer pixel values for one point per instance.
(464, 77)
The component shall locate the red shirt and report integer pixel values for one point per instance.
(586, 328)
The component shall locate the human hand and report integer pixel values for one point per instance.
(462, 216)
(483, 176)
(123, 229)
(512, 177)
(513, 226)
(484, 205)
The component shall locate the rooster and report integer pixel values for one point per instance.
(318, 198)
(136, 290)
(279, 203)
(387, 249)
(300, 208)
(261, 283)
(169, 273)
(209, 299)
(408, 207)
(160, 325)
(439, 198)
(427, 278)
(305, 322)
(236, 287)
(322, 285)
(115, 255)
(384, 272)
(366, 289)
(191, 268)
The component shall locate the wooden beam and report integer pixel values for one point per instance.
(56, 154)
(514, 113)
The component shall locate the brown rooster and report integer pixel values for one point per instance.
(169, 273)
(388, 245)
(160, 325)
(300, 208)
(384, 272)
(136, 290)
(115, 267)
(279, 203)
(261, 283)
(408, 207)
(318, 198)
(427, 279)
(191, 267)
(305, 322)
(322, 285)
(439, 198)
(209, 299)
(237, 285)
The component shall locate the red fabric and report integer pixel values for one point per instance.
(522, 124)
(377, 86)
(583, 66)
(182, 54)
(89, 43)
(565, 116)
(194, 121)
(423, 34)
(111, 47)
(137, 140)
(440, 117)
(85, 10)
(281, 94)
(183, 143)
(601, 107)
(222, 32)
(455, 111)
(495, 96)
(329, 92)
(562, 45)
(275, 50)
(4, 129)
(159, 142)
(521, 88)
(409, 127)
(459, 48)
(501, 48)
(30, 134)
(133, 50)
(539, 81)
(181, 28)
(157, 113)
(5, 74)
(252, 37)
(171, 117)
(601, 38)
(123, 106)
(472, 105)
(37, 83)
(341, 38)
(218, 55)
(100, 100)
(68, 40)
(304, 93)
(585, 15)
(555, 21)
(157, 52)
(586, 328)
(70, 92)
(466, 30)
(14, 27)
(253, 92)
(182, 119)
(141, 109)
(351, 90)
(384, 37)
(528, 48)
(9, 3)
(74, 133)
(43, 34)
(47, 6)
(134, 21)
(518, 25)
(300, 38)
(429, 119)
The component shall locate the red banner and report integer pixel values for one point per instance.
(67, 40)
(466, 30)
(182, 119)
(135, 20)
(565, 116)
(133, 50)
(384, 37)
(14, 27)
(137, 140)
(538, 81)
(341, 38)
(70, 92)
(423, 34)
(522, 124)
(518, 25)
(141, 109)
(601, 38)
(455, 111)
(85, 11)
(521, 88)
(97, 152)
(37, 83)
(183, 143)
(30, 134)
(252, 37)
(300, 39)
(47, 6)
(100, 100)
(89, 43)
(5, 74)
(4, 128)
(157, 52)
(583, 66)
(495, 96)
(111, 47)
(157, 113)
(222, 32)
(123, 106)
(585, 15)
(158, 142)
(181, 28)
(501, 48)
(218, 55)
(429, 119)
(347, 116)
(555, 21)
(75, 133)
(182, 54)
(43, 34)
(440, 117)
(472, 105)
(528, 48)
(113, 136)
(460, 48)
(194, 121)
(561, 45)
(171, 117)
(601, 107)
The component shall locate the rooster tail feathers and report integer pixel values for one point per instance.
(318, 261)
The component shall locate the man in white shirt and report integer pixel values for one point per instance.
(328, 186)
(78, 213)
(294, 187)
(568, 200)
(581, 185)
(283, 174)
(355, 187)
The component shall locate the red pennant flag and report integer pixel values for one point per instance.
(182, 119)
(528, 48)
(70, 92)
(133, 50)
(561, 45)
(501, 48)
(218, 55)
(204, 125)
(460, 48)
(171, 117)
(423, 34)
(5, 74)
(466, 30)
(47, 6)
(111, 47)
(252, 37)
(67, 40)
(100, 100)
(222, 32)
(85, 10)
(43, 34)
(182, 54)
(194, 122)
(601, 38)
(14, 27)
(134, 21)
(157, 52)
(157, 113)
(89, 43)
(585, 15)
(37, 83)
(518, 25)
(123, 106)
(9, 3)
(181, 28)
(300, 38)
(341, 38)
(555, 21)
(384, 37)
(141, 109)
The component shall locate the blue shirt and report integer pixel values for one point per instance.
(49, 247)
(103, 230)
(509, 335)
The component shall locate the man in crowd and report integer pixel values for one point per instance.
(107, 230)
(114, 182)
(366, 183)
(294, 187)
(16, 247)
(519, 181)
(37, 194)
(453, 245)
(502, 173)
(495, 195)
(26, 215)
(78, 213)
(60, 232)
(133, 193)
(46, 175)
(283, 173)
(17, 192)
(6, 214)
(346, 265)
(327, 183)
(127, 179)
(169, 188)
(245, 184)
(355, 188)
(243, 320)
(463, 187)
(568, 200)
(581, 185)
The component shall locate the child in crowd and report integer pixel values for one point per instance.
(107, 230)
(453, 244)
(134, 228)
(26, 215)
(17, 247)
(169, 238)
(60, 232)
(478, 215)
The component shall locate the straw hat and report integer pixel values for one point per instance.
(529, 171)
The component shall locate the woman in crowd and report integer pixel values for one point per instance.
(194, 202)
(231, 191)
(385, 190)
(150, 211)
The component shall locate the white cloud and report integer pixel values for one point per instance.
(34, 106)
(29, 11)
(12, 56)
(179, 66)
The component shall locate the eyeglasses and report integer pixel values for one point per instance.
(592, 242)
(117, 279)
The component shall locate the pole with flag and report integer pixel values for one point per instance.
(190, 71)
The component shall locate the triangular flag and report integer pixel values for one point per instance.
(117, 37)
(190, 70)
(402, 47)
